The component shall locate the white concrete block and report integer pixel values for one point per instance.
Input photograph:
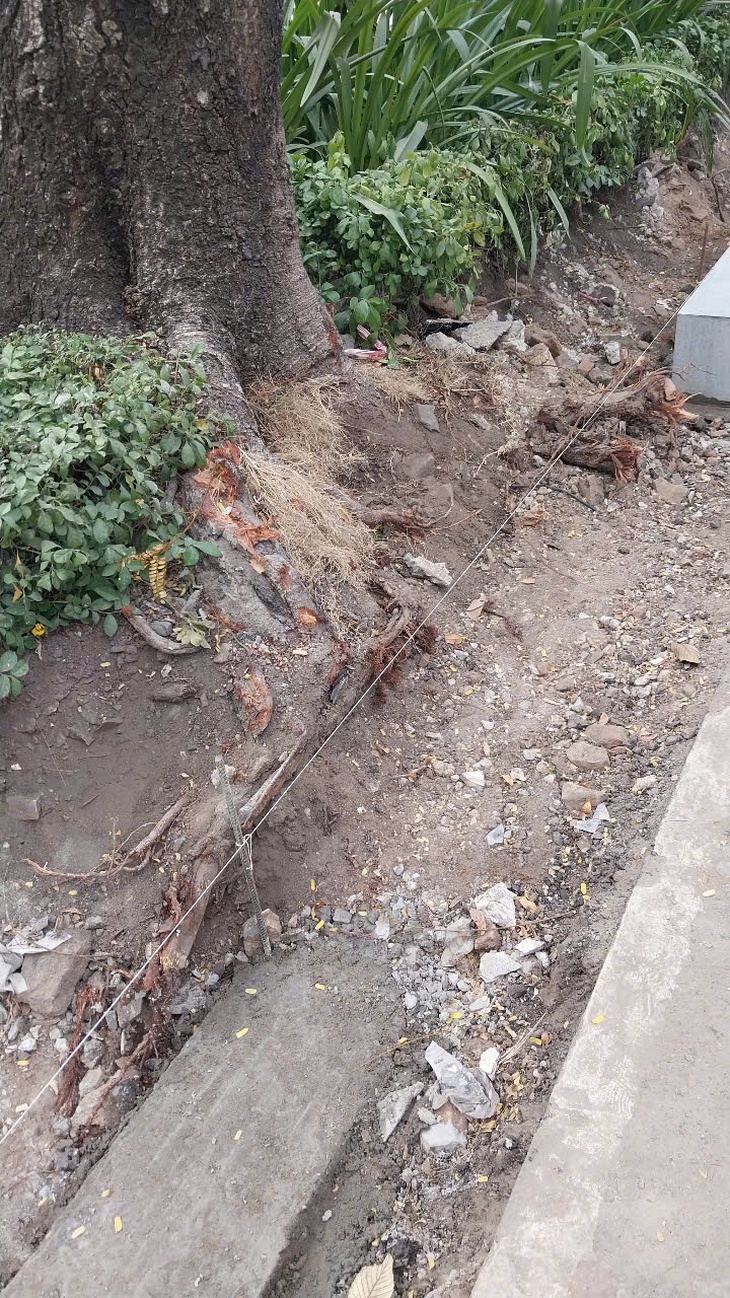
(702, 343)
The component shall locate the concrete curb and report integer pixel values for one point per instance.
(625, 1192)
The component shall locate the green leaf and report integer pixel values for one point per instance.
(4, 686)
(586, 78)
(110, 625)
(390, 214)
(8, 661)
(188, 456)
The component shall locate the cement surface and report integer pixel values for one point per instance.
(702, 338)
(626, 1190)
(206, 1213)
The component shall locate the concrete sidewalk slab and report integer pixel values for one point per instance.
(206, 1214)
(625, 1192)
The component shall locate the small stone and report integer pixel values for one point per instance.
(410, 1000)
(440, 342)
(591, 489)
(28, 1044)
(92, 1052)
(489, 1062)
(22, 807)
(575, 797)
(529, 945)
(161, 626)
(545, 337)
(607, 736)
(340, 916)
(612, 351)
(87, 1106)
(426, 570)
(643, 784)
(426, 415)
(94, 921)
(381, 931)
(606, 293)
(495, 837)
(670, 492)
(540, 357)
(442, 1138)
(513, 340)
(393, 1107)
(251, 940)
(498, 904)
(473, 779)
(483, 334)
(496, 964)
(459, 941)
(326, 1216)
(588, 757)
(480, 1005)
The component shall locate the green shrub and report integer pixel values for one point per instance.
(91, 429)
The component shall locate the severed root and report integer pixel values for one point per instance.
(406, 520)
(160, 642)
(132, 863)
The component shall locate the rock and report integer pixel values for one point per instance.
(476, 1100)
(588, 757)
(459, 941)
(441, 342)
(426, 570)
(473, 779)
(94, 921)
(529, 946)
(480, 1005)
(539, 356)
(426, 415)
(442, 1138)
(686, 653)
(643, 784)
(591, 489)
(90, 1081)
(51, 976)
(28, 1044)
(498, 904)
(129, 1010)
(483, 334)
(439, 305)
(496, 964)
(575, 797)
(340, 916)
(412, 468)
(410, 1000)
(545, 337)
(189, 999)
(22, 807)
(381, 931)
(172, 691)
(86, 1106)
(161, 626)
(606, 736)
(92, 1052)
(513, 340)
(252, 942)
(495, 837)
(670, 492)
(489, 1062)
(612, 351)
(606, 293)
(393, 1108)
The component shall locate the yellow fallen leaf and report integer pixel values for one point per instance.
(374, 1281)
(20, 1108)
(22, 1063)
(117, 1225)
(584, 888)
(401, 1041)
(482, 1180)
(660, 1237)
(312, 885)
(453, 637)
(241, 1033)
(431, 1261)
(709, 893)
(536, 1041)
(319, 925)
(78, 1231)
(105, 1194)
(238, 1134)
(703, 1173)
(599, 1018)
(320, 987)
(251, 991)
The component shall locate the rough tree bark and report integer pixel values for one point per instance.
(143, 177)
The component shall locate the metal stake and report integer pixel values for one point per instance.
(244, 853)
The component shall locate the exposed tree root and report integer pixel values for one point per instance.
(159, 642)
(109, 866)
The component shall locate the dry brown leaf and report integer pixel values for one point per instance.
(258, 565)
(453, 637)
(374, 1281)
(476, 608)
(306, 618)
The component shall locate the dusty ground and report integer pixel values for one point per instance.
(592, 584)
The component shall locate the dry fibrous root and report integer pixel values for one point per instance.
(594, 435)
(68, 1091)
(110, 863)
(386, 654)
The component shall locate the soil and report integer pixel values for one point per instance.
(584, 601)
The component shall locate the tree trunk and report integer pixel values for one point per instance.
(143, 178)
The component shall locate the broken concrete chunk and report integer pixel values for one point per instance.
(588, 757)
(476, 1100)
(393, 1108)
(473, 779)
(483, 334)
(442, 1138)
(489, 1062)
(606, 736)
(498, 904)
(51, 976)
(437, 573)
(441, 342)
(513, 340)
(496, 964)
(612, 351)
(459, 941)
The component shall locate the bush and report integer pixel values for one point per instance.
(91, 429)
